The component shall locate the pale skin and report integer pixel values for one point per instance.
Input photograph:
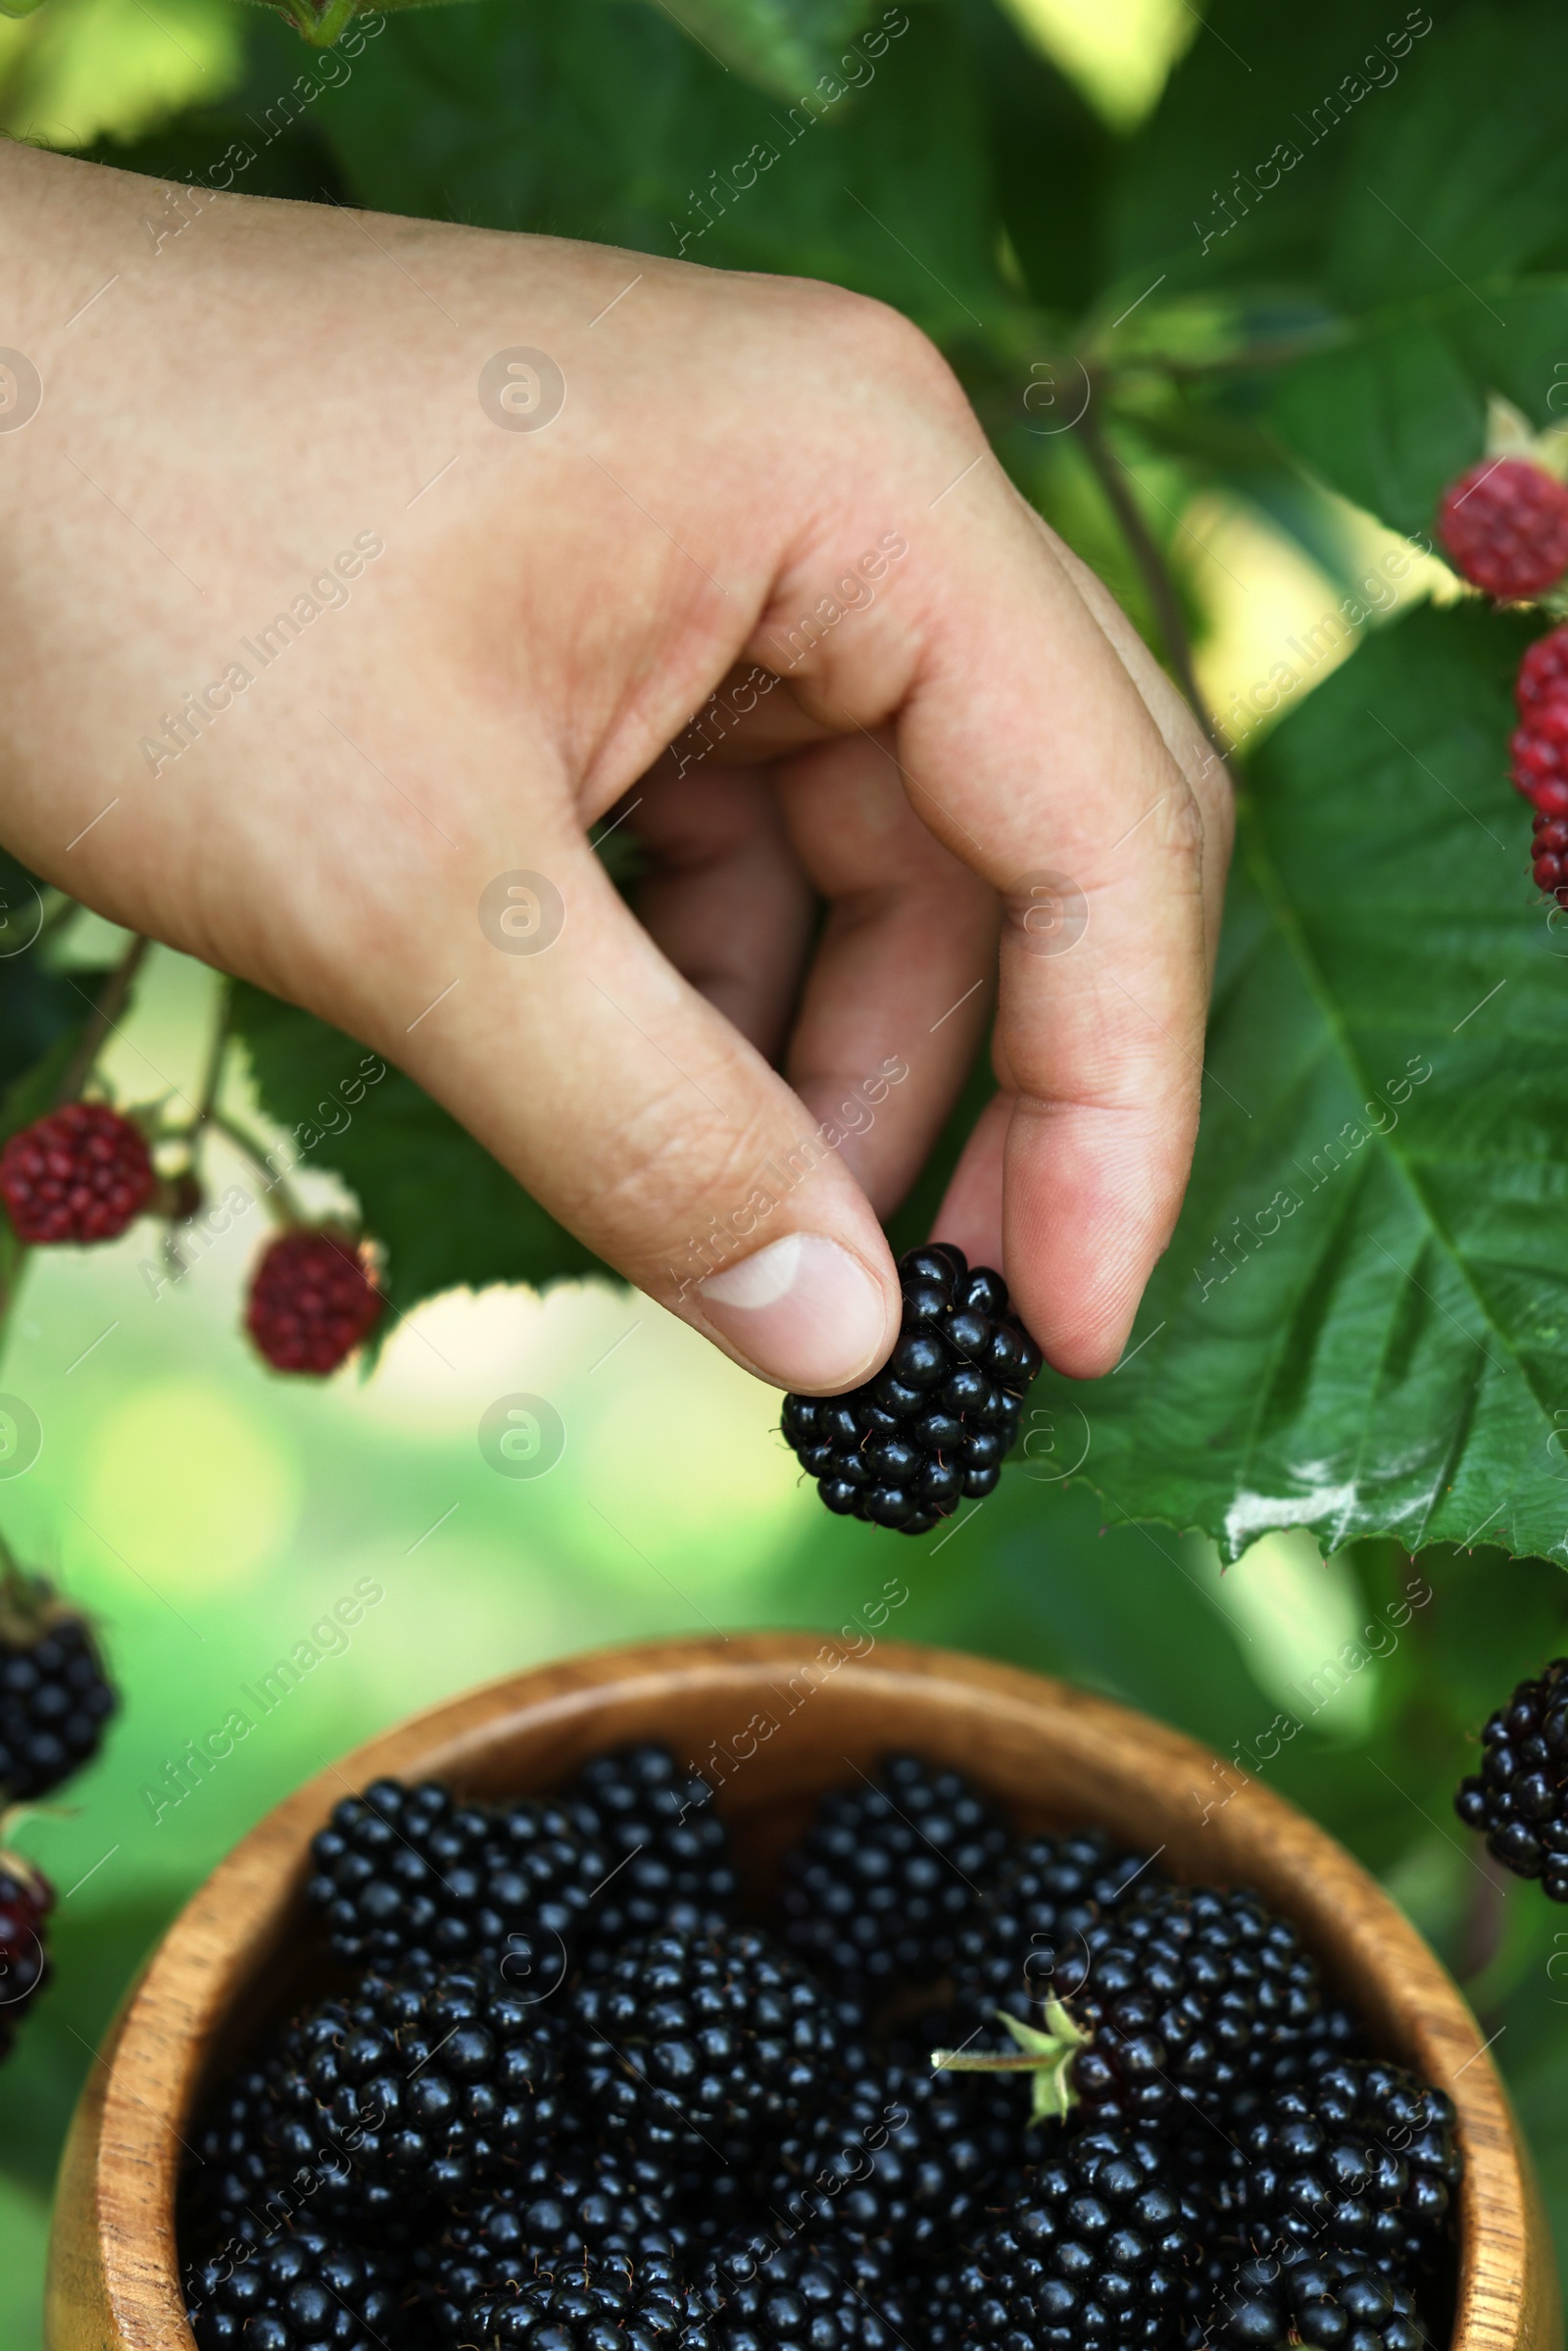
(546, 614)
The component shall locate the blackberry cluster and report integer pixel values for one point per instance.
(694, 2136)
(1094, 2250)
(1036, 1915)
(81, 1174)
(1520, 1796)
(666, 1851)
(1328, 2299)
(889, 1876)
(936, 1423)
(55, 1698)
(706, 2043)
(298, 2290)
(407, 1874)
(311, 1301)
(1505, 524)
(1357, 2159)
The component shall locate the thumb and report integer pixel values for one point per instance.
(646, 1124)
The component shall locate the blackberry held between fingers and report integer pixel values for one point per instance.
(27, 1898)
(887, 1876)
(666, 1851)
(81, 1174)
(1505, 526)
(1094, 2252)
(1520, 1796)
(298, 2290)
(409, 1873)
(936, 1422)
(55, 1698)
(702, 2047)
(311, 1301)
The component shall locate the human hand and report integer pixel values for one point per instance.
(285, 384)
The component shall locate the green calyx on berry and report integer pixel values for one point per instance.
(1048, 2056)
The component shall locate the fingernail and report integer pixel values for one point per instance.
(803, 1310)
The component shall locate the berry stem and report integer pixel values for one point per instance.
(110, 1003)
(1048, 2056)
(286, 1206)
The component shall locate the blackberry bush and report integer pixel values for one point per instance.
(936, 1423)
(889, 1876)
(411, 1873)
(1519, 1798)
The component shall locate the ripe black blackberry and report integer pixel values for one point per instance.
(1332, 2300)
(903, 2160)
(410, 1874)
(597, 2205)
(888, 1876)
(1520, 1796)
(759, 2295)
(666, 1851)
(1046, 1898)
(588, 2305)
(55, 1698)
(27, 1898)
(369, 2107)
(1186, 2003)
(303, 2289)
(1094, 2252)
(1358, 2159)
(702, 2046)
(936, 1422)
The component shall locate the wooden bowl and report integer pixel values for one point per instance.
(773, 1720)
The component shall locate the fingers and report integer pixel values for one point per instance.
(1031, 754)
(632, 1108)
(902, 981)
(725, 898)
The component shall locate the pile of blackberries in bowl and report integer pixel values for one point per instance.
(959, 2091)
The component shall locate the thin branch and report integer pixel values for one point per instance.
(289, 1206)
(1156, 579)
(104, 1013)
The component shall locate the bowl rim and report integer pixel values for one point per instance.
(114, 2272)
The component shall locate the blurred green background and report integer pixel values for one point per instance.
(210, 1513)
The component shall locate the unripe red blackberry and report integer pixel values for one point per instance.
(27, 1898)
(1548, 852)
(934, 1425)
(1539, 755)
(1543, 672)
(1505, 526)
(81, 1174)
(311, 1301)
(1519, 1798)
(55, 1698)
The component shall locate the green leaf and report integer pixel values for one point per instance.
(781, 45)
(446, 1213)
(604, 123)
(1447, 258)
(1361, 1325)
